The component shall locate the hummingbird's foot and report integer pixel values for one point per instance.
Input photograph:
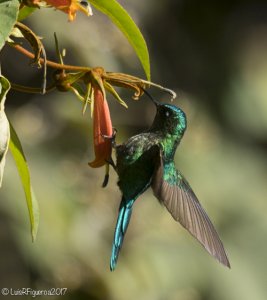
(110, 161)
(112, 138)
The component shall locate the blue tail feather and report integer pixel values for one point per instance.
(124, 216)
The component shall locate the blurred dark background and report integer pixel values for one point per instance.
(214, 55)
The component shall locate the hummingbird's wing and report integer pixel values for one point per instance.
(172, 189)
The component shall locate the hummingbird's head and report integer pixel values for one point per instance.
(170, 119)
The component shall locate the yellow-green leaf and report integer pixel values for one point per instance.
(125, 23)
(22, 166)
(4, 125)
(8, 15)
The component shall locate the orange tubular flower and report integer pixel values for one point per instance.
(70, 7)
(102, 126)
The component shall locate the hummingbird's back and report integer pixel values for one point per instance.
(135, 164)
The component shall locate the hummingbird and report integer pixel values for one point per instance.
(147, 160)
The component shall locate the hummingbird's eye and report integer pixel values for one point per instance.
(167, 113)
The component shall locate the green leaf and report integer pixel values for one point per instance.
(4, 125)
(125, 23)
(8, 15)
(22, 166)
(25, 12)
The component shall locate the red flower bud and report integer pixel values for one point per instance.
(102, 126)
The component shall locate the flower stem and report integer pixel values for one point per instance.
(50, 63)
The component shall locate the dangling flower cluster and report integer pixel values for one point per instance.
(69, 7)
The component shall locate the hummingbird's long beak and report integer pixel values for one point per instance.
(151, 98)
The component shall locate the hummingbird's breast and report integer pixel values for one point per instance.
(169, 144)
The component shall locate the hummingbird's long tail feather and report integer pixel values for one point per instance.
(125, 212)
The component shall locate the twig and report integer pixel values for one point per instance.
(49, 63)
